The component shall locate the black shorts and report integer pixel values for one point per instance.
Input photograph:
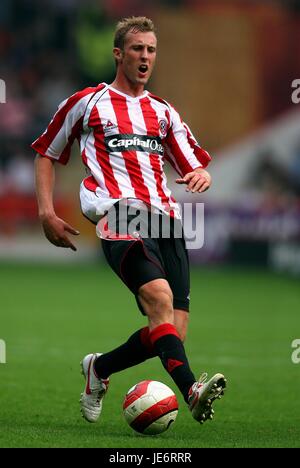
(147, 258)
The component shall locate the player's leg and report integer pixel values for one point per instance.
(129, 261)
(156, 299)
(201, 394)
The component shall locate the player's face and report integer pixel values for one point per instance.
(138, 57)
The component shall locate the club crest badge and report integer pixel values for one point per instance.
(163, 127)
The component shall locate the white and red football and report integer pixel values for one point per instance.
(150, 407)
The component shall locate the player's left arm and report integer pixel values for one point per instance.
(186, 155)
(197, 180)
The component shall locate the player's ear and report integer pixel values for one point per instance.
(118, 54)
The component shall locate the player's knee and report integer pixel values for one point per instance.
(157, 299)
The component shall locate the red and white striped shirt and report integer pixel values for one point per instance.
(124, 142)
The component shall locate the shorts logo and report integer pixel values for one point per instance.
(163, 127)
(132, 142)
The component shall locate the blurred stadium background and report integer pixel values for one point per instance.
(229, 67)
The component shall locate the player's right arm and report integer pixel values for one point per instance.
(56, 229)
(53, 146)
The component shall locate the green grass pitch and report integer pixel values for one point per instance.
(242, 324)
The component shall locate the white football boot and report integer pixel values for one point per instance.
(95, 389)
(202, 394)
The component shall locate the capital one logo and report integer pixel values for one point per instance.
(134, 142)
(296, 353)
(2, 92)
(2, 352)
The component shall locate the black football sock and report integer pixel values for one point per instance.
(137, 349)
(170, 349)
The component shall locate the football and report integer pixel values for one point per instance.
(150, 407)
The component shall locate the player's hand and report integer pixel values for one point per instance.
(56, 230)
(196, 181)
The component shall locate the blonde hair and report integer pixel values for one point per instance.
(134, 24)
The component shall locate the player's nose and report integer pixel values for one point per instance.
(145, 54)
